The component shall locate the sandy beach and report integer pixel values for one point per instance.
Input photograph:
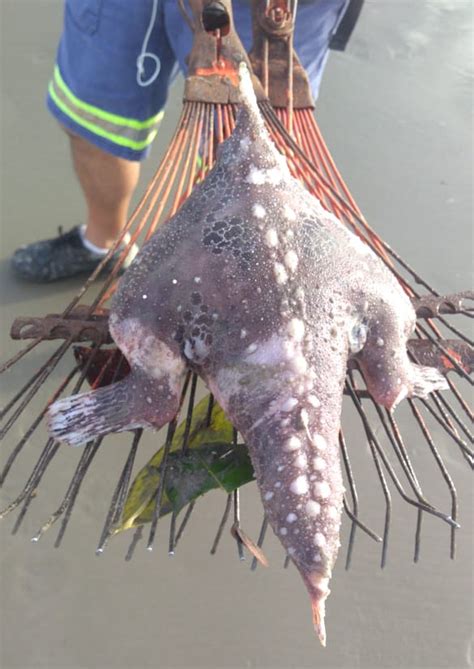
(396, 112)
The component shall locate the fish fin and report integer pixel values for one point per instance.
(426, 380)
(81, 418)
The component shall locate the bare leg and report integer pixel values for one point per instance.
(108, 183)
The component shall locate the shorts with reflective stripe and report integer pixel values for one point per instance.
(94, 90)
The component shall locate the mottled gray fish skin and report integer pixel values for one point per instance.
(266, 295)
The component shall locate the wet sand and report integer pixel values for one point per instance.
(396, 111)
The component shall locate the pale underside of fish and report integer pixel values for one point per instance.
(264, 293)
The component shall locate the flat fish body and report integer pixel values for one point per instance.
(266, 295)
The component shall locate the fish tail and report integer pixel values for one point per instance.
(81, 418)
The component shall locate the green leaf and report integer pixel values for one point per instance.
(211, 461)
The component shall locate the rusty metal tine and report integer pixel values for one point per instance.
(19, 394)
(14, 359)
(60, 510)
(400, 450)
(172, 168)
(148, 201)
(465, 450)
(42, 463)
(184, 522)
(90, 450)
(374, 441)
(161, 485)
(388, 504)
(444, 471)
(136, 538)
(454, 330)
(210, 407)
(189, 413)
(360, 524)
(286, 563)
(119, 495)
(355, 499)
(31, 495)
(77, 482)
(222, 524)
(172, 541)
(444, 407)
(164, 165)
(460, 399)
(47, 368)
(261, 539)
(19, 447)
(461, 371)
(240, 546)
(419, 521)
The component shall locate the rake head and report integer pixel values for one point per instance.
(207, 119)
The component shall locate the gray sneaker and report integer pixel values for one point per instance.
(62, 258)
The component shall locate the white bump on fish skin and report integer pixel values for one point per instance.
(300, 485)
(291, 550)
(380, 342)
(283, 531)
(322, 489)
(317, 557)
(258, 211)
(289, 213)
(272, 175)
(243, 334)
(289, 234)
(293, 443)
(313, 400)
(252, 348)
(268, 496)
(296, 329)
(332, 513)
(319, 540)
(175, 281)
(319, 464)
(301, 461)
(291, 260)
(280, 468)
(188, 350)
(320, 442)
(277, 484)
(280, 273)
(271, 238)
(144, 297)
(197, 279)
(179, 307)
(313, 508)
(291, 517)
(305, 421)
(149, 400)
(299, 364)
(290, 404)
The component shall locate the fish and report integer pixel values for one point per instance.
(255, 286)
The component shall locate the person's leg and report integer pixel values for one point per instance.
(108, 95)
(107, 183)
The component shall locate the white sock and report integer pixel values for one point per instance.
(98, 250)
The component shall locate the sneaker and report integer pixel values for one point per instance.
(62, 258)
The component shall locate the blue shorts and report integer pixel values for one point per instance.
(96, 90)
